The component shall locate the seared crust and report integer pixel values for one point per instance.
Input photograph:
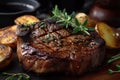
(55, 49)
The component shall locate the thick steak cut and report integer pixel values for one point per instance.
(45, 47)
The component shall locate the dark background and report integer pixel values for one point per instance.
(69, 5)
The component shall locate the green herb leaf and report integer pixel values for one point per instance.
(76, 30)
(66, 20)
(59, 37)
(18, 76)
(42, 24)
(5, 73)
(118, 66)
(85, 22)
(114, 58)
(10, 78)
(77, 23)
(118, 55)
(72, 15)
(27, 78)
(48, 36)
(110, 71)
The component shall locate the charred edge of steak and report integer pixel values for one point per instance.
(46, 47)
(46, 25)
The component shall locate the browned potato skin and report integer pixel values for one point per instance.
(26, 19)
(81, 17)
(6, 56)
(8, 36)
(110, 35)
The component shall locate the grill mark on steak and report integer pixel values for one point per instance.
(56, 34)
(77, 51)
(62, 33)
(66, 40)
(52, 27)
(41, 31)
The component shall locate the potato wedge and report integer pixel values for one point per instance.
(81, 17)
(8, 36)
(6, 56)
(110, 35)
(26, 19)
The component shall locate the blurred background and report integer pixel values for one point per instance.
(70, 5)
(100, 10)
(11, 9)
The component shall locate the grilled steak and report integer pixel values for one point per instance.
(46, 47)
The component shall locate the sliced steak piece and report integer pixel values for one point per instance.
(45, 47)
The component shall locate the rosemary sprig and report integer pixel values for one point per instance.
(66, 20)
(62, 16)
(80, 27)
(114, 58)
(18, 76)
(117, 71)
(42, 24)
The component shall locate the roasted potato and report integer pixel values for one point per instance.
(81, 17)
(110, 35)
(8, 36)
(6, 56)
(26, 19)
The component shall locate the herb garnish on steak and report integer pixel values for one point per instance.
(51, 46)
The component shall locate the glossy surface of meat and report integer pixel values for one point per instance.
(46, 47)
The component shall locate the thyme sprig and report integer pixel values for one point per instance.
(66, 20)
(18, 76)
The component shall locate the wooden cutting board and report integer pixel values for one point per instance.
(101, 73)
